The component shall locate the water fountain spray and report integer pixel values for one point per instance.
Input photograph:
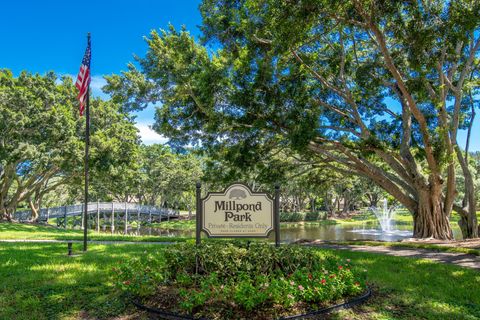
(386, 217)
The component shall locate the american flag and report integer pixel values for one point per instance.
(83, 79)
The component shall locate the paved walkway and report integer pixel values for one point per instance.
(459, 259)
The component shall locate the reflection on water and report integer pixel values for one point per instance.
(337, 232)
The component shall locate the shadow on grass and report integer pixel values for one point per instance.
(6, 227)
(18, 231)
(38, 281)
(419, 289)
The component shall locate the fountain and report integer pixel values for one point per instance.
(386, 220)
(386, 217)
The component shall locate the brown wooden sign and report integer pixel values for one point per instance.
(237, 212)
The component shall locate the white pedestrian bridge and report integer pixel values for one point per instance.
(101, 213)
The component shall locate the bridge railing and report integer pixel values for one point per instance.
(77, 209)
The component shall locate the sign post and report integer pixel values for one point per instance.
(277, 216)
(198, 213)
(237, 212)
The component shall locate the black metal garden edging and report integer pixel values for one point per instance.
(348, 304)
(345, 305)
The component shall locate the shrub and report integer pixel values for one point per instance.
(291, 216)
(140, 276)
(243, 277)
(315, 216)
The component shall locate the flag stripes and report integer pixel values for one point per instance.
(83, 79)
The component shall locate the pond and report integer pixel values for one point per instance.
(336, 232)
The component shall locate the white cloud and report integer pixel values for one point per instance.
(149, 136)
(96, 84)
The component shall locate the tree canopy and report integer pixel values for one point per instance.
(42, 141)
(167, 177)
(371, 88)
(39, 139)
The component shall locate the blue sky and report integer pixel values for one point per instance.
(40, 36)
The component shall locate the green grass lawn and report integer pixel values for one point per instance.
(38, 281)
(20, 231)
(408, 288)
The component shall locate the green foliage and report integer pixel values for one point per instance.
(42, 142)
(40, 145)
(39, 281)
(291, 216)
(167, 176)
(115, 152)
(22, 231)
(302, 184)
(140, 283)
(251, 275)
(373, 88)
(315, 216)
(177, 224)
(41, 150)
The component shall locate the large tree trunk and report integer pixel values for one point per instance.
(301, 202)
(372, 199)
(430, 220)
(35, 205)
(312, 204)
(346, 203)
(328, 204)
(468, 218)
(468, 212)
(6, 214)
(35, 211)
(468, 225)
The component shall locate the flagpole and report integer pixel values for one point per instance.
(87, 147)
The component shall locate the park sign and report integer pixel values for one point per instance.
(237, 212)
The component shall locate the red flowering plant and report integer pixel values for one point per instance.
(240, 277)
